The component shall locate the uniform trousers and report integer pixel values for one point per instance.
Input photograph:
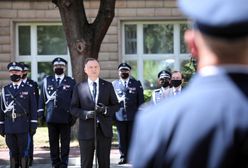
(124, 129)
(103, 150)
(59, 133)
(17, 144)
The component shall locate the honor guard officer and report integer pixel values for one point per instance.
(206, 126)
(130, 95)
(18, 115)
(164, 91)
(55, 97)
(34, 85)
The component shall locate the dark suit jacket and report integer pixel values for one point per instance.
(82, 101)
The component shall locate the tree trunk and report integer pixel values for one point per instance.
(84, 39)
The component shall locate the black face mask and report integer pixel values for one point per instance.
(24, 76)
(164, 83)
(15, 78)
(176, 83)
(59, 71)
(124, 75)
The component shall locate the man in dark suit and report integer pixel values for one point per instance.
(94, 102)
(130, 95)
(176, 82)
(18, 115)
(34, 85)
(55, 98)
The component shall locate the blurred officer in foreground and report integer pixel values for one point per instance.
(164, 91)
(55, 97)
(34, 85)
(176, 82)
(18, 115)
(94, 102)
(130, 95)
(206, 126)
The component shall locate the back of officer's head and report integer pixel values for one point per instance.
(223, 25)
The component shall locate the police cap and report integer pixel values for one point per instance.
(15, 66)
(164, 74)
(124, 66)
(25, 66)
(219, 18)
(59, 61)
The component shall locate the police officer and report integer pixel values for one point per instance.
(34, 85)
(207, 125)
(18, 115)
(130, 95)
(55, 97)
(164, 91)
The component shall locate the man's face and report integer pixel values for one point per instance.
(164, 82)
(124, 73)
(92, 69)
(14, 72)
(58, 66)
(176, 76)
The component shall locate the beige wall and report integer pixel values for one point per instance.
(110, 54)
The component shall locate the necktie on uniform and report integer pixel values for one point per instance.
(15, 87)
(94, 90)
(58, 81)
(125, 84)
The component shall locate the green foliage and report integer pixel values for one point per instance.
(189, 69)
(147, 95)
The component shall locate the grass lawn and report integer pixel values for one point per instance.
(41, 138)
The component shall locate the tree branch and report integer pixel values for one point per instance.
(103, 19)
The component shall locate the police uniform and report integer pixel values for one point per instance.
(33, 85)
(56, 98)
(18, 117)
(207, 124)
(162, 92)
(130, 96)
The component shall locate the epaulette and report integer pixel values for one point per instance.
(157, 90)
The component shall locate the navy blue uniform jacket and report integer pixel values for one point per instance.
(25, 107)
(57, 100)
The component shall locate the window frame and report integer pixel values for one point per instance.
(34, 58)
(140, 57)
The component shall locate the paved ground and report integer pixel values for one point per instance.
(42, 158)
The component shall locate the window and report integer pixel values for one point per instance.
(150, 47)
(38, 45)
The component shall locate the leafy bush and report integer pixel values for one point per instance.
(147, 95)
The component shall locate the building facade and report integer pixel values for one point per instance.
(147, 34)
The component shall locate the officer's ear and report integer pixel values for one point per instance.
(189, 37)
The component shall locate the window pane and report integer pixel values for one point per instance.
(44, 69)
(134, 70)
(158, 38)
(24, 40)
(130, 39)
(152, 68)
(183, 28)
(51, 40)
